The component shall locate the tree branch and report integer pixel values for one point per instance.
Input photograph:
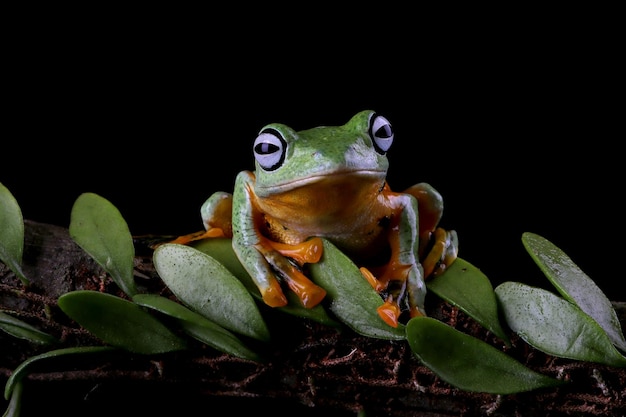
(312, 369)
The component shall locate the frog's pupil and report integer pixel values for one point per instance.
(266, 148)
(384, 131)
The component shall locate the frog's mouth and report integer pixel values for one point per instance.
(320, 184)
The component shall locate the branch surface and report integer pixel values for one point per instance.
(312, 369)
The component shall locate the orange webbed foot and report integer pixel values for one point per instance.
(279, 255)
(309, 293)
(373, 281)
(443, 252)
(389, 312)
(273, 295)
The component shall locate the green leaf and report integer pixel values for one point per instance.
(574, 285)
(205, 285)
(23, 330)
(221, 249)
(11, 233)
(208, 335)
(198, 326)
(465, 286)
(119, 322)
(554, 325)
(469, 363)
(15, 404)
(100, 230)
(31, 363)
(351, 298)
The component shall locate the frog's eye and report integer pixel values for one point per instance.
(381, 134)
(269, 149)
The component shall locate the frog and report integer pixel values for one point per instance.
(330, 182)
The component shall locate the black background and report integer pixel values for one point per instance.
(518, 133)
(517, 122)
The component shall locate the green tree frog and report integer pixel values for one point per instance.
(330, 182)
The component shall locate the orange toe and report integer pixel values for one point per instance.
(273, 296)
(389, 312)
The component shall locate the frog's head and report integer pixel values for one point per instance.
(286, 159)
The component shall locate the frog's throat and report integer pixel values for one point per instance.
(339, 176)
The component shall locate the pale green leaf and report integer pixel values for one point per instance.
(99, 229)
(554, 325)
(205, 285)
(574, 285)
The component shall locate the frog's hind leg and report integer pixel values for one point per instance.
(286, 260)
(404, 293)
(438, 247)
(216, 215)
(442, 251)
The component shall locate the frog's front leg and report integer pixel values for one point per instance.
(263, 258)
(402, 277)
(216, 213)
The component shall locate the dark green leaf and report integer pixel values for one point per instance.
(208, 288)
(465, 286)
(15, 404)
(227, 343)
(100, 230)
(11, 233)
(198, 326)
(574, 285)
(222, 250)
(31, 363)
(352, 299)
(469, 363)
(554, 325)
(119, 322)
(23, 330)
